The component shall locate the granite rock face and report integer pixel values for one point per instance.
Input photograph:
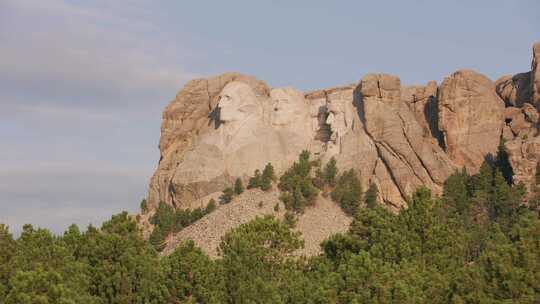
(535, 76)
(522, 130)
(471, 118)
(398, 137)
(187, 117)
(524, 155)
(404, 145)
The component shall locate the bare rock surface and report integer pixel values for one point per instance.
(535, 76)
(471, 117)
(524, 155)
(514, 90)
(404, 145)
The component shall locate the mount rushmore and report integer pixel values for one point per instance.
(398, 137)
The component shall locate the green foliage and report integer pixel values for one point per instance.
(8, 248)
(264, 181)
(477, 243)
(290, 219)
(167, 220)
(268, 172)
(297, 186)
(191, 276)
(211, 206)
(370, 197)
(185, 217)
(256, 260)
(238, 186)
(348, 192)
(503, 163)
(125, 268)
(164, 217)
(144, 206)
(329, 173)
(227, 196)
(255, 181)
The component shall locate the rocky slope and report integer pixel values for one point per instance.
(316, 224)
(398, 137)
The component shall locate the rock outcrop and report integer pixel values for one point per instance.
(411, 156)
(524, 156)
(522, 130)
(471, 118)
(535, 76)
(186, 118)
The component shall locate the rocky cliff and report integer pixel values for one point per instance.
(398, 137)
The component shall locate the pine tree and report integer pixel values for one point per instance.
(8, 248)
(456, 193)
(211, 206)
(144, 206)
(255, 181)
(503, 163)
(269, 172)
(330, 172)
(371, 196)
(266, 183)
(238, 186)
(348, 192)
(227, 196)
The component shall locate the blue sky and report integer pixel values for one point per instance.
(83, 83)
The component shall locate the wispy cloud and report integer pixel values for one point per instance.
(82, 85)
(64, 51)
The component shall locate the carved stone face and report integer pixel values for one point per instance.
(288, 107)
(336, 118)
(236, 102)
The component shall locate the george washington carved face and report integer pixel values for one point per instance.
(237, 101)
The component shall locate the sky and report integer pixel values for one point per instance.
(83, 83)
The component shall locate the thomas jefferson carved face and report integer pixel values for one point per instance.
(237, 101)
(288, 107)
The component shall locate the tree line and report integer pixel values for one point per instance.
(477, 243)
